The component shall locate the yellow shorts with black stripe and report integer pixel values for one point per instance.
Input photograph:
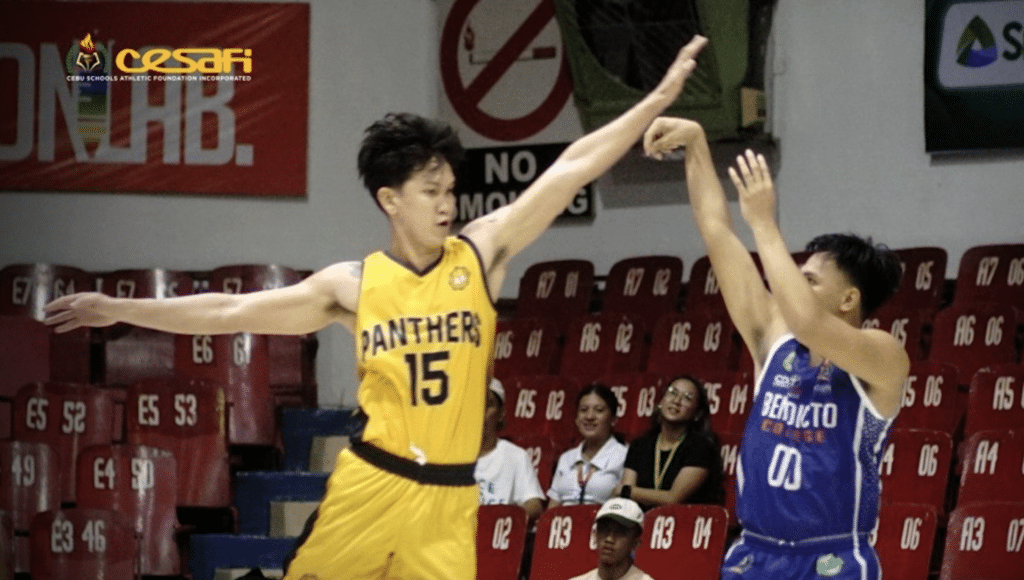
(375, 524)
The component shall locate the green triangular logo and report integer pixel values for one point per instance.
(977, 33)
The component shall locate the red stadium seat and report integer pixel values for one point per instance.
(693, 342)
(543, 404)
(996, 400)
(991, 273)
(291, 358)
(646, 287)
(924, 272)
(66, 416)
(134, 353)
(500, 540)
(597, 344)
(903, 540)
(186, 417)
(151, 283)
(691, 535)
(25, 348)
(992, 468)
(915, 467)
(638, 396)
(729, 448)
(26, 288)
(564, 546)
(30, 352)
(931, 400)
(7, 541)
(702, 290)
(983, 542)
(557, 290)
(906, 324)
(140, 482)
(974, 335)
(730, 396)
(543, 452)
(30, 481)
(525, 346)
(78, 543)
(240, 363)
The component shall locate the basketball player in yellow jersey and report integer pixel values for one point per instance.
(401, 503)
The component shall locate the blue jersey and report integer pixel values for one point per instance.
(811, 448)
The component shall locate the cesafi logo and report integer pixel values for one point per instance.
(971, 55)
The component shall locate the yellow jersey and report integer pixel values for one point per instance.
(424, 345)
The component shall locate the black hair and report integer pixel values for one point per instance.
(603, 391)
(873, 268)
(400, 144)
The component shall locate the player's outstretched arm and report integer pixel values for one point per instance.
(870, 354)
(507, 231)
(327, 296)
(746, 298)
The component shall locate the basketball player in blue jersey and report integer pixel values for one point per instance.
(402, 502)
(827, 390)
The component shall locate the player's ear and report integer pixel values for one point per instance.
(386, 197)
(851, 299)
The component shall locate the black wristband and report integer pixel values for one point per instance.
(627, 491)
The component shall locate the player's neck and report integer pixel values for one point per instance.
(672, 432)
(592, 446)
(411, 254)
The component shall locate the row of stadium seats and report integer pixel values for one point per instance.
(992, 399)
(972, 335)
(650, 286)
(120, 354)
(982, 541)
(142, 480)
(694, 536)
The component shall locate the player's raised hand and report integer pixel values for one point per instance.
(672, 83)
(669, 133)
(78, 310)
(753, 183)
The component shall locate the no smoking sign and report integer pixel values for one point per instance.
(503, 68)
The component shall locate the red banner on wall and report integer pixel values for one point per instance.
(155, 97)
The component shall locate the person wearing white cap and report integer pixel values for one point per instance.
(504, 471)
(620, 524)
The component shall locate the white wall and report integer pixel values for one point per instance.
(847, 107)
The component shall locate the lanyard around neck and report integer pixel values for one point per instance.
(659, 470)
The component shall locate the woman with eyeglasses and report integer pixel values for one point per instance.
(676, 460)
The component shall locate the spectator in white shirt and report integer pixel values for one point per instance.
(620, 523)
(504, 470)
(590, 472)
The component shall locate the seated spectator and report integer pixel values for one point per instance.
(591, 471)
(677, 460)
(620, 523)
(504, 471)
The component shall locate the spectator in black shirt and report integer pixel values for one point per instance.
(677, 460)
